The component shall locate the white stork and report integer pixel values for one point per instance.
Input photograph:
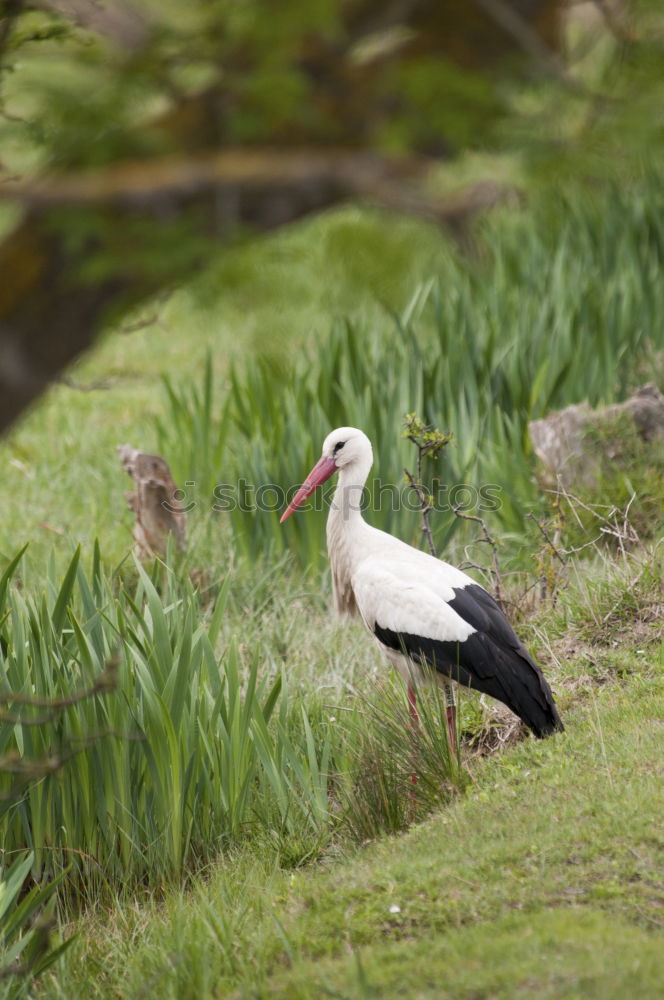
(424, 613)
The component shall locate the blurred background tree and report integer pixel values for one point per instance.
(136, 138)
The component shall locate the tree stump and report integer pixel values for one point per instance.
(158, 511)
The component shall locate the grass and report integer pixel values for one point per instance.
(551, 863)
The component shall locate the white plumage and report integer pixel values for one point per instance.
(399, 597)
(426, 615)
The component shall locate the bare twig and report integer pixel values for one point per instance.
(95, 386)
(154, 319)
(425, 506)
(489, 540)
(230, 173)
(12, 763)
(547, 538)
(612, 521)
(26, 771)
(105, 682)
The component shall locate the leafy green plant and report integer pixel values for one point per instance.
(192, 751)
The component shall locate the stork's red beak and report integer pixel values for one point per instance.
(321, 471)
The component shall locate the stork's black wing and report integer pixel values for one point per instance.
(491, 660)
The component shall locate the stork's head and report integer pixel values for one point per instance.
(345, 448)
(347, 445)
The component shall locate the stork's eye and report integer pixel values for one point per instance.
(338, 446)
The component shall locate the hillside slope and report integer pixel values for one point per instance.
(545, 880)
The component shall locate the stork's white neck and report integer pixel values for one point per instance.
(345, 528)
(347, 501)
(346, 509)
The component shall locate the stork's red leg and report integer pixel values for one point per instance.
(414, 722)
(451, 726)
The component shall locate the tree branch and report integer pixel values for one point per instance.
(517, 27)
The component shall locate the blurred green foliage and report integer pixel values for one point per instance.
(317, 72)
(179, 78)
(293, 75)
(602, 123)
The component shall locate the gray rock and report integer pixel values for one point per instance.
(578, 445)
